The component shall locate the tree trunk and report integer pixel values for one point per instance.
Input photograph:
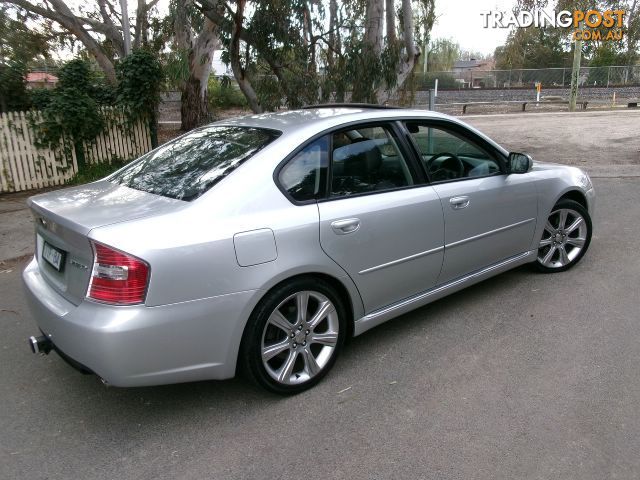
(340, 86)
(126, 30)
(194, 109)
(234, 53)
(363, 87)
(141, 36)
(333, 22)
(195, 101)
(373, 25)
(391, 21)
(408, 62)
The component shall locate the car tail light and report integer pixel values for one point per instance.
(117, 278)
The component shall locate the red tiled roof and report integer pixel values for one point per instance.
(41, 77)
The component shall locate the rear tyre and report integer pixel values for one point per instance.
(294, 336)
(565, 239)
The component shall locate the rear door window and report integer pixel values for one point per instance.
(190, 165)
(367, 159)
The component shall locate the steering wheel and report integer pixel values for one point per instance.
(443, 171)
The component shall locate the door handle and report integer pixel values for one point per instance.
(459, 202)
(348, 225)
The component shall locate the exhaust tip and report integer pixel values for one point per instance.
(40, 344)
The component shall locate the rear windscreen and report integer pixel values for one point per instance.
(190, 165)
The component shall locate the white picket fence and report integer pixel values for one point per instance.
(24, 166)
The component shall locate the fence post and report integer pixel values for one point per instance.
(78, 147)
(563, 71)
(153, 129)
(432, 99)
(608, 74)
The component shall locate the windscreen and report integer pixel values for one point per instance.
(188, 166)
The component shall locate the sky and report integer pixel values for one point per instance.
(460, 21)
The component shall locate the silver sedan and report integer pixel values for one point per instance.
(261, 243)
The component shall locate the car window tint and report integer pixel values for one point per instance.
(367, 160)
(304, 176)
(449, 156)
(190, 165)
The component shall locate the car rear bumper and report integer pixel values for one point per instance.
(138, 345)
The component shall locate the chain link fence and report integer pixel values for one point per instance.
(613, 76)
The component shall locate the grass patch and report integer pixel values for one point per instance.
(97, 171)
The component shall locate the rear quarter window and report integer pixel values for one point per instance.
(188, 166)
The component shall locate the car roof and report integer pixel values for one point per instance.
(321, 118)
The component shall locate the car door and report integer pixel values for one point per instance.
(489, 215)
(379, 222)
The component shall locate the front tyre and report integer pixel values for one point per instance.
(294, 336)
(565, 239)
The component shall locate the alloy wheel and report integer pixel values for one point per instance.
(300, 337)
(564, 237)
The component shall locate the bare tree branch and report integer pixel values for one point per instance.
(63, 15)
(234, 52)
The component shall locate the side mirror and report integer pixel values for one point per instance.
(519, 162)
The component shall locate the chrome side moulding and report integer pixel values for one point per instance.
(400, 260)
(403, 306)
(490, 232)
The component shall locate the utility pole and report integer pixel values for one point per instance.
(126, 30)
(575, 73)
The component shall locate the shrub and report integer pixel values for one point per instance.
(70, 111)
(428, 80)
(224, 94)
(13, 87)
(140, 78)
(96, 171)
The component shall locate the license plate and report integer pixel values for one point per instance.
(53, 255)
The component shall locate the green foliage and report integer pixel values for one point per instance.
(442, 54)
(428, 80)
(299, 52)
(70, 111)
(607, 55)
(13, 87)
(96, 171)
(19, 42)
(285, 63)
(363, 68)
(269, 92)
(140, 79)
(224, 94)
(41, 98)
(176, 68)
(533, 47)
